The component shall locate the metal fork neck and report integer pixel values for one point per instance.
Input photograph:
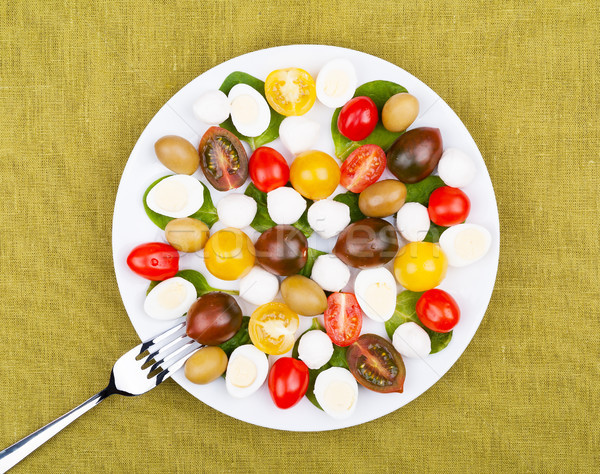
(15, 453)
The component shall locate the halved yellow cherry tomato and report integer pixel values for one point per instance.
(420, 266)
(290, 91)
(314, 174)
(229, 254)
(272, 328)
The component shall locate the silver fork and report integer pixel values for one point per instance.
(137, 371)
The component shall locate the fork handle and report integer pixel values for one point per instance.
(15, 453)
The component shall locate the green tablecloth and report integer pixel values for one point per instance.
(78, 84)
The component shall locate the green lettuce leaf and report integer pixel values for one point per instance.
(434, 233)
(313, 254)
(420, 192)
(241, 338)
(351, 200)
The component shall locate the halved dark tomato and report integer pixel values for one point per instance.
(376, 365)
(223, 159)
(343, 318)
(363, 167)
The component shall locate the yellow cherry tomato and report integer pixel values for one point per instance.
(420, 266)
(229, 254)
(290, 91)
(314, 174)
(272, 328)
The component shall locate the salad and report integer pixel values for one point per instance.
(388, 205)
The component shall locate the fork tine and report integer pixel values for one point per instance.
(146, 345)
(176, 355)
(176, 365)
(166, 348)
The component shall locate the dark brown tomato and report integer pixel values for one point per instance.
(367, 243)
(282, 250)
(214, 318)
(414, 155)
(376, 365)
(223, 159)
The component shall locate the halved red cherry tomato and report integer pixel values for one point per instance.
(376, 365)
(363, 167)
(288, 381)
(223, 159)
(438, 311)
(155, 261)
(358, 118)
(448, 206)
(343, 318)
(268, 169)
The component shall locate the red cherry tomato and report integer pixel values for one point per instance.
(268, 169)
(448, 206)
(155, 261)
(363, 167)
(358, 118)
(288, 381)
(438, 311)
(343, 318)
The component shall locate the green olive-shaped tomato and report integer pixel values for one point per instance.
(399, 112)
(206, 365)
(303, 295)
(383, 198)
(177, 154)
(187, 234)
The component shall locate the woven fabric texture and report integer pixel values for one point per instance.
(78, 83)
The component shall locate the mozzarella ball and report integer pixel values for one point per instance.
(298, 133)
(285, 205)
(315, 349)
(236, 210)
(413, 222)
(259, 286)
(456, 168)
(328, 218)
(212, 107)
(411, 340)
(330, 273)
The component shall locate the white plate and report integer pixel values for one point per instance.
(471, 286)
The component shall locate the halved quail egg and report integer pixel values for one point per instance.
(176, 196)
(170, 299)
(250, 111)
